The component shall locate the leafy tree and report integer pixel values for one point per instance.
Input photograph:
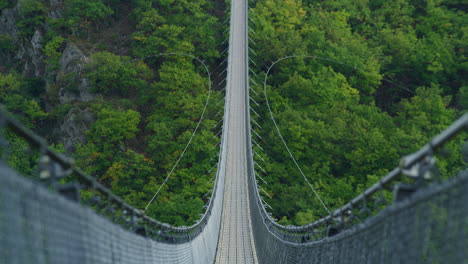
(106, 138)
(175, 26)
(32, 15)
(7, 4)
(13, 96)
(53, 52)
(463, 101)
(166, 39)
(381, 87)
(110, 74)
(425, 115)
(150, 21)
(4, 4)
(6, 43)
(86, 14)
(176, 209)
(128, 175)
(144, 112)
(179, 99)
(114, 126)
(279, 25)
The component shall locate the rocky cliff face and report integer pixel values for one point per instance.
(56, 9)
(28, 57)
(73, 61)
(8, 19)
(77, 121)
(74, 127)
(28, 51)
(8, 29)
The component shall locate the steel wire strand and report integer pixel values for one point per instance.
(307, 56)
(199, 121)
(284, 142)
(274, 120)
(194, 131)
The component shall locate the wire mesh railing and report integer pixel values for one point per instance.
(42, 219)
(409, 216)
(425, 223)
(341, 233)
(57, 171)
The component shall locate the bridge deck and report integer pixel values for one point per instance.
(235, 243)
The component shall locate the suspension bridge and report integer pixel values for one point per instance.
(425, 223)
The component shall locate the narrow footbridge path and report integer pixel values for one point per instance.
(47, 221)
(236, 244)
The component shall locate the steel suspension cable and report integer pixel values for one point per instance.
(276, 125)
(344, 64)
(199, 121)
(284, 142)
(196, 127)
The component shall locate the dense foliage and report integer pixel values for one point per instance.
(386, 76)
(144, 105)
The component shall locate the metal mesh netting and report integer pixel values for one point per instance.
(431, 227)
(39, 226)
(426, 223)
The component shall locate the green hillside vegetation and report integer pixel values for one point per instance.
(386, 77)
(145, 110)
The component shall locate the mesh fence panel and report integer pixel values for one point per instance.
(430, 227)
(39, 226)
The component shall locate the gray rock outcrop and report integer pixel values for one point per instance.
(73, 129)
(8, 29)
(33, 56)
(8, 19)
(56, 9)
(28, 51)
(72, 63)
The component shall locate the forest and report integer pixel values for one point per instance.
(371, 82)
(115, 85)
(126, 113)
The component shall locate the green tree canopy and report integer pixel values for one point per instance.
(110, 74)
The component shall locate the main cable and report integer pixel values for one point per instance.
(199, 121)
(306, 56)
(281, 136)
(276, 125)
(196, 127)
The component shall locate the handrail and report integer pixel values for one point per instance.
(169, 233)
(297, 233)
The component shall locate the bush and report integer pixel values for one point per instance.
(85, 14)
(111, 74)
(52, 50)
(6, 4)
(32, 15)
(6, 43)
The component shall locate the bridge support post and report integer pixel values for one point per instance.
(332, 230)
(403, 191)
(69, 190)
